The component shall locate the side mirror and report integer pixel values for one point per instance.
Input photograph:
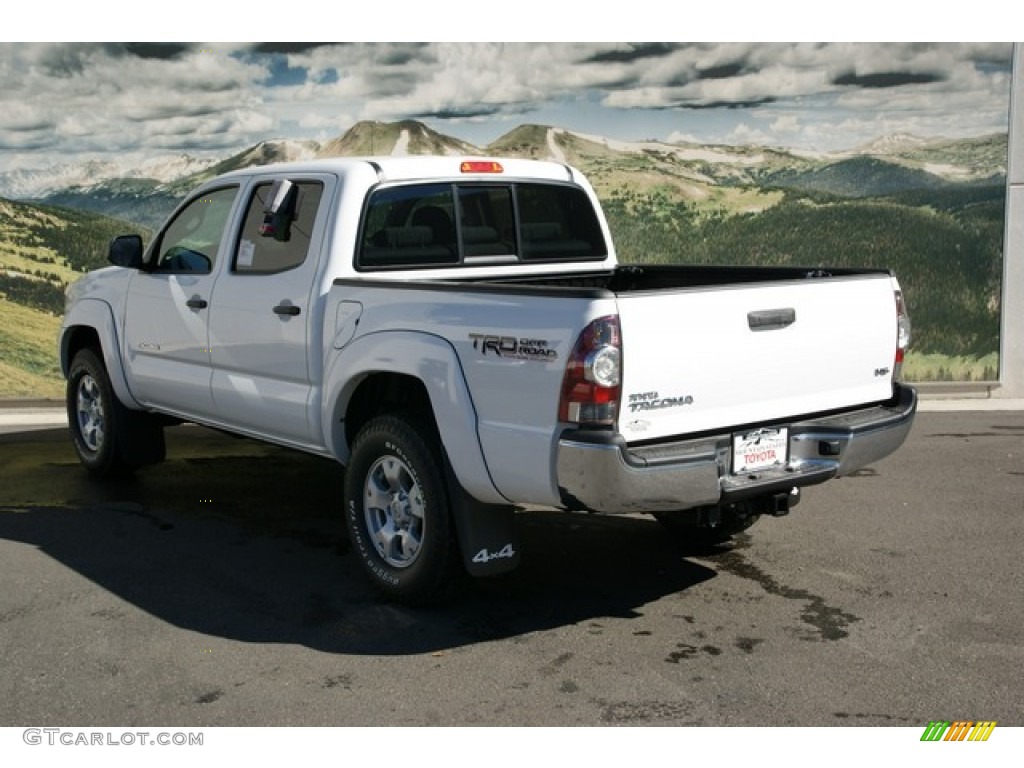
(126, 251)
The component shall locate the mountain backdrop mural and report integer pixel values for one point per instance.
(930, 210)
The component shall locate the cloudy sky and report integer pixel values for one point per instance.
(62, 102)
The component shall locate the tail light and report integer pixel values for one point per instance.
(591, 387)
(902, 333)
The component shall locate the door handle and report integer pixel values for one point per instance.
(771, 319)
(196, 303)
(287, 309)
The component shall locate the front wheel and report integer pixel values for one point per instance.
(108, 438)
(397, 509)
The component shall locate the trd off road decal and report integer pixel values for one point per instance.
(513, 348)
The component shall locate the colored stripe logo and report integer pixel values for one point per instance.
(959, 730)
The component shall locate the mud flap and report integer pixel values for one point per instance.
(140, 437)
(486, 532)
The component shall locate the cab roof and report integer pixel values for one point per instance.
(421, 167)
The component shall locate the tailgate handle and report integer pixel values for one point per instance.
(771, 319)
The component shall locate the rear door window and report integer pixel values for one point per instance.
(276, 244)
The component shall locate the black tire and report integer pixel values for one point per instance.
(397, 510)
(690, 527)
(108, 438)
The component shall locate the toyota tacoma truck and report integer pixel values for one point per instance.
(457, 333)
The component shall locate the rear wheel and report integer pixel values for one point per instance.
(397, 509)
(108, 438)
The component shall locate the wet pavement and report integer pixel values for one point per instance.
(218, 589)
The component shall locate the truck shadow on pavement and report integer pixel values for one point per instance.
(244, 541)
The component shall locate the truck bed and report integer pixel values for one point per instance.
(709, 348)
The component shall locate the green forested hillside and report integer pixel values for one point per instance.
(42, 249)
(947, 260)
(856, 177)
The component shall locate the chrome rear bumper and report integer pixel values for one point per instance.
(599, 472)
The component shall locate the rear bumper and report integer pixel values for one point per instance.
(599, 472)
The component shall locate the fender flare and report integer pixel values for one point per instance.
(98, 316)
(433, 361)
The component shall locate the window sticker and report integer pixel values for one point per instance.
(246, 249)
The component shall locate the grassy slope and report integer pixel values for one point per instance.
(28, 341)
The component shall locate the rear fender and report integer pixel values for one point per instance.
(431, 360)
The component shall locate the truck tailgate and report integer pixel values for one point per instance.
(709, 358)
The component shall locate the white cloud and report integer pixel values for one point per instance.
(785, 124)
(82, 97)
(746, 134)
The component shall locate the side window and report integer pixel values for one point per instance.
(190, 241)
(266, 246)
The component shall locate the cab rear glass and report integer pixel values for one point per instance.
(435, 225)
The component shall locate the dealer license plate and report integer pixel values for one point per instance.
(761, 449)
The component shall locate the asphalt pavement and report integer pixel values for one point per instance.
(218, 589)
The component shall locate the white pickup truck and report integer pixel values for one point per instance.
(458, 334)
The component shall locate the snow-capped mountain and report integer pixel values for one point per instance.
(893, 144)
(37, 183)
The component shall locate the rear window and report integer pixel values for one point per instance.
(427, 225)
